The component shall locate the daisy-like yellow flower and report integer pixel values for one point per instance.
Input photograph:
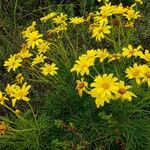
(19, 78)
(76, 20)
(135, 72)
(104, 87)
(99, 30)
(38, 59)
(2, 98)
(81, 86)
(102, 54)
(29, 30)
(131, 14)
(24, 53)
(20, 93)
(10, 89)
(43, 47)
(48, 17)
(60, 19)
(130, 51)
(49, 69)
(34, 39)
(123, 92)
(146, 55)
(146, 74)
(82, 65)
(119, 9)
(113, 57)
(12, 63)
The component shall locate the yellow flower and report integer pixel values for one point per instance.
(2, 98)
(60, 19)
(29, 30)
(43, 47)
(20, 93)
(102, 54)
(19, 78)
(113, 57)
(123, 92)
(81, 86)
(34, 39)
(119, 9)
(76, 20)
(99, 30)
(38, 59)
(24, 53)
(82, 65)
(130, 24)
(10, 89)
(146, 55)
(104, 88)
(13, 63)
(131, 14)
(49, 69)
(58, 29)
(48, 17)
(130, 51)
(135, 72)
(146, 74)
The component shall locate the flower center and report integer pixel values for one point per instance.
(105, 85)
(122, 91)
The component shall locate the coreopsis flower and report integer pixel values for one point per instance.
(131, 14)
(99, 30)
(146, 74)
(104, 87)
(102, 54)
(20, 93)
(60, 19)
(3, 127)
(48, 17)
(82, 65)
(135, 72)
(29, 30)
(113, 57)
(2, 98)
(38, 59)
(49, 69)
(24, 52)
(130, 51)
(146, 55)
(13, 63)
(20, 78)
(123, 92)
(81, 86)
(43, 47)
(10, 89)
(76, 20)
(34, 39)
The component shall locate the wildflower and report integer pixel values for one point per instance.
(102, 54)
(43, 47)
(3, 127)
(146, 55)
(13, 63)
(19, 78)
(38, 59)
(76, 20)
(135, 72)
(49, 69)
(99, 30)
(146, 74)
(2, 98)
(82, 65)
(119, 9)
(58, 29)
(123, 92)
(81, 86)
(20, 93)
(130, 51)
(10, 89)
(34, 39)
(129, 24)
(113, 57)
(60, 19)
(104, 89)
(48, 17)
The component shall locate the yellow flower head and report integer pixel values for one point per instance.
(49, 69)
(123, 92)
(10, 89)
(34, 39)
(81, 86)
(146, 55)
(20, 93)
(48, 17)
(146, 74)
(76, 20)
(2, 98)
(102, 54)
(60, 19)
(13, 63)
(104, 87)
(38, 59)
(43, 47)
(115, 56)
(119, 9)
